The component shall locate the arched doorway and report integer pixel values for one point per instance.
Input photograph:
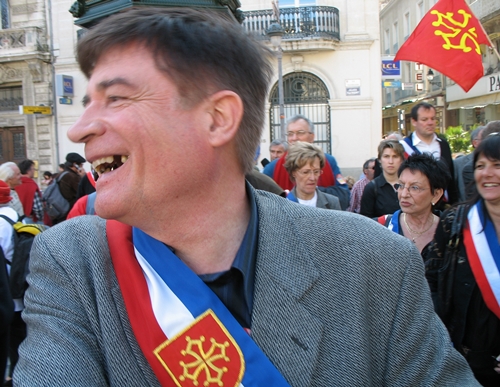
(306, 94)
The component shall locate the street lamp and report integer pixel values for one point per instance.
(276, 32)
(430, 77)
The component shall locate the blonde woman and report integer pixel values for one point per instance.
(304, 163)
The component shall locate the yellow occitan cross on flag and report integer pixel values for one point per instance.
(457, 29)
(448, 39)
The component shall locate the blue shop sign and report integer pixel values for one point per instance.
(391, 69)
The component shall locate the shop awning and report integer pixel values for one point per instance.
(470, 103)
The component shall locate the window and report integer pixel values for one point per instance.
(4, 11)
(406, 25)
(11, 98)
(420, 11)
(395, 37)
(296, 3)
(407, 72)
(387, 42)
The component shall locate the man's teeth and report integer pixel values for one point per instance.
(490, 185)
(107, 164)
(102, 160)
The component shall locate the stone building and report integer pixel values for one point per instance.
(26, 79)
(331, 72)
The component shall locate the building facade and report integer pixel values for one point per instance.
(398, 19)
(331, 73)
(26, 79)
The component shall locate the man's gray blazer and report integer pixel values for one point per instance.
(339, 301)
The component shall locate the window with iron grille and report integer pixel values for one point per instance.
(11, 98)
(306, 94)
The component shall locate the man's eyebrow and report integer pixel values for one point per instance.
(105, 84)
(111, 82)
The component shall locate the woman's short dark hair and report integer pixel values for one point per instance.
(435, 170)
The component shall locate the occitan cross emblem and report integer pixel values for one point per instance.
(456, 34)
(204, 362)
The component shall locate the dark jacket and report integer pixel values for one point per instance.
(69, 186)
(463, 300)
(379, 198)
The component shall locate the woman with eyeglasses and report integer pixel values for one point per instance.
(304, 163)
(421, 183)
(463, 268)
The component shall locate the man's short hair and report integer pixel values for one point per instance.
(395, 145)
(7, 171)
(366, 165)
(475, 133)
(25, 165)
(300, 154)
(414, 110)
(300, 117)
(491, 127)
(202, 52)
(279, 142)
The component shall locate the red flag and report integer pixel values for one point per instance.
(447, 39)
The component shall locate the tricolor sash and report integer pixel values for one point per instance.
(483, 252)
(409, 147)
(393, 222)
(185, 332)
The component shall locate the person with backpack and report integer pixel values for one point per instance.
(61, 196)
(16, 331)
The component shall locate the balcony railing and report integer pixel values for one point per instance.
(22, 41)
(298, 22)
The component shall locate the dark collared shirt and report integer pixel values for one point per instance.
(235, 286)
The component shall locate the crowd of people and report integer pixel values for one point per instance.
(21, 200)
(217, 274)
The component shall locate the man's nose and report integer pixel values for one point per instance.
(88, 125)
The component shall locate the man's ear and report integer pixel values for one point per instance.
(226, 109)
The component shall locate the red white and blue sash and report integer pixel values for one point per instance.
(393, 223)
(483, 252)
(409, 147)
(185, 332)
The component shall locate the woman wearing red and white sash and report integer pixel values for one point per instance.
(463, 268)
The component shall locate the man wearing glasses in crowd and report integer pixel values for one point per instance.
(300, 128)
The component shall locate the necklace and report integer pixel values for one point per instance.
(418, 233)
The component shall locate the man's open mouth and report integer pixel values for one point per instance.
(108, 163)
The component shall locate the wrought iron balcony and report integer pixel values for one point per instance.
(23, 43)
(298, 22)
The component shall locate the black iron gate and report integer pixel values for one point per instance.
(305, 94)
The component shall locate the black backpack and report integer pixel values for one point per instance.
(56, 205)
(23, 234)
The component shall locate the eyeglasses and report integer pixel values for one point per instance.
(494, 134)
(412, 189)
(307, 172)
(299, 133)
